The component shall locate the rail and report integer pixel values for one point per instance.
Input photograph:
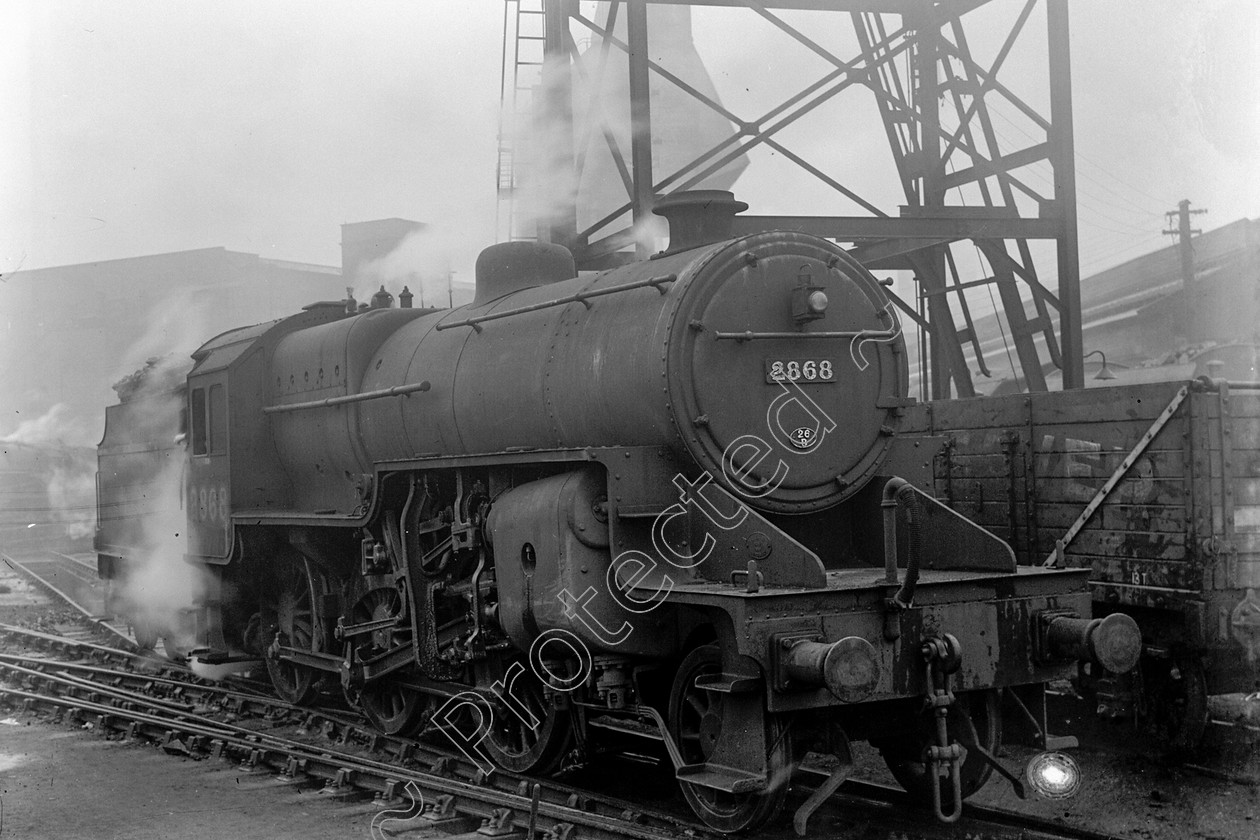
(86, 613)
(578, 297)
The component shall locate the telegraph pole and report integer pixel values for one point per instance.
(1184, 232)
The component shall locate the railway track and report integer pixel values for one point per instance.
(73, 582)
(336, 752)
(348, 757)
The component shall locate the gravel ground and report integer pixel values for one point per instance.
(61, 783)
(1138, 796)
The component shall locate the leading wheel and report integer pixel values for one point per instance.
(527, 733)
(697, 719)
(974, 718)
(287, 620)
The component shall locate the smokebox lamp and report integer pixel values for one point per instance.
(1054, 775)
(809, 302)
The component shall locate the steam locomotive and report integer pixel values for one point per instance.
(669, 506)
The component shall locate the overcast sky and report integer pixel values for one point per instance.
(142, 127)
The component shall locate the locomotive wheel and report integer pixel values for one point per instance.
(391, 707)
(1174, 691)
(974, 718)
(516, 745)
(288, 618)
(696, 718)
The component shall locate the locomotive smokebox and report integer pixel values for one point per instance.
(511, 266)
(698, 217)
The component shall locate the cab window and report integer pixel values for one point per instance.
(198, 412)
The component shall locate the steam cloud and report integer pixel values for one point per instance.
(157, 588)
(71, 488)
(547, 180)
(421, 262)
(52, 478)
(175, 326)
(160, 588)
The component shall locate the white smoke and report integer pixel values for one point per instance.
(422, 263)
(543, 176)
(545, 179)
(157, 590)
(547, 154)
(160, 589)
(55, 451)
(218, 672)
(175, 326)
(71, 490)
(54, 428)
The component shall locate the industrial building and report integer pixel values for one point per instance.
(1143, 319)
(67, 333)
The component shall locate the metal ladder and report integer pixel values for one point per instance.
(522, 61)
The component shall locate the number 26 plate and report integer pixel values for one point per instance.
(800, 370)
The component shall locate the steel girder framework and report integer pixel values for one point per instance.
(966, 185)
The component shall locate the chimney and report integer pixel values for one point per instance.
(698, 217)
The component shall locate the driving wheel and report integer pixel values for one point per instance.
(287, 620)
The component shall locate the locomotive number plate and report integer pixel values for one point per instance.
(800, 370)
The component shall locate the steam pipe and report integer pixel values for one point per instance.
(889, 506)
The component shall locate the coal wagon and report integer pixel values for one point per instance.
(1156, 489)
